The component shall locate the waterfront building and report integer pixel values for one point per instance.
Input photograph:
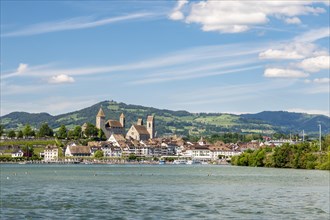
(17, 153)
(51, 153)
(77, 151)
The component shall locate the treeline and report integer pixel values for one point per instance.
(228, 137)
(300, 156)
(89, 131)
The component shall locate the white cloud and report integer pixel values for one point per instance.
(315, 64)
(318, 81)
(240, 16)
(62, 78)
(296, 50)
(22, 67)
(313, 35)
(176, 14)
(322, 80)
(192, 56)
(284, 73)
(293, 20)
(72, 24)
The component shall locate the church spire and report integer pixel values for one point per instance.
(100, 113)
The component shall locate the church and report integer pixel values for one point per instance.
(137, 131)
(111, 126)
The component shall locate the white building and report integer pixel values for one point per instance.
(18, 153)
(50, 153)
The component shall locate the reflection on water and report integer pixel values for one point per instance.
(162, 192)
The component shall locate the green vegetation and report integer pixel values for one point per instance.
(31, 142)
(62, 132)
(45, 131)
(300, 156)
(98, 154)
(27, 131)
(177, 122)
(11, 134)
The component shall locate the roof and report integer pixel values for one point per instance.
(150, 118)
(51, 147)
(80, 149)
(100, 113)
(119, 137)
(113, 123)
(122, 115)
(141, 129)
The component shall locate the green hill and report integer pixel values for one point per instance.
(177, 122)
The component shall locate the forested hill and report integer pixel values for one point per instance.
(178, 122)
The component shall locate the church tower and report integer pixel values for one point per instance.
(151, 126)
(100, 119)
(122, 120)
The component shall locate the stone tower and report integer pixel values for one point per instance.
(151, 126)
(122, 120)
(100, 119)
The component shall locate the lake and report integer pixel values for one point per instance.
(79, 191)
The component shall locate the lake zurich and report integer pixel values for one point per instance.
(162, 192)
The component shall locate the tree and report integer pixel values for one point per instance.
(101, 135)
(132, 157)
(20, 134)
(98, 154)
(28, 151)
(91, 130)
(62, 132)
(77, 132)
(27, 131)
(1, 129)
(11, 134)
(45, 131)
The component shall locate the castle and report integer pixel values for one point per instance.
(137, 131)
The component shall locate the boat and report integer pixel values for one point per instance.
(179, 162)
(193, 162)
(162, 162)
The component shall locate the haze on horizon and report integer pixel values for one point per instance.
(199, 56)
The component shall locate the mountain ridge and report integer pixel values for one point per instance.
(178, 122)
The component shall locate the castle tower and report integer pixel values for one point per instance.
(122, 120)
(151, 126)
(139, 121)
(100, 119)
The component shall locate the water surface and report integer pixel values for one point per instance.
(162, 192)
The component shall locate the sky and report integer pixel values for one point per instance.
(200, 56)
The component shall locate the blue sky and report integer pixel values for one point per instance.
(200, 56)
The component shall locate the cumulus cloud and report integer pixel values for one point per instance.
(176, 14)
(284, 73)
(62, 78)
(296, 50)
(294, 20)
(22, 67)
(315, 64)
(240, 16)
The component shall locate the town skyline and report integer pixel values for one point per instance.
(169, 55)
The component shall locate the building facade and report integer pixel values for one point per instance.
(111, 126)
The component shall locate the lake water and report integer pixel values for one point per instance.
(162, 192)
